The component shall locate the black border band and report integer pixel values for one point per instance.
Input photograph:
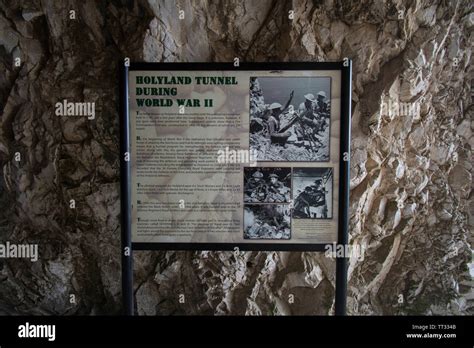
(241, 67)
(229, 246)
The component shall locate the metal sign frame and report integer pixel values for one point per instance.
(344, 170)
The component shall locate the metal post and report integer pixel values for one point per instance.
(344, 165)
(125, 193)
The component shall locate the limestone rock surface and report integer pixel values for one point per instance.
(411, 206)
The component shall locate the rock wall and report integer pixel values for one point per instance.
(411, 198)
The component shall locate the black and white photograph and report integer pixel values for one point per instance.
(290, 118)
(267, 221)
(267, 185)
(312, 193)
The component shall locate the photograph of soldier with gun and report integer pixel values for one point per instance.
(312, 193)
(267, 185)
(285, 132)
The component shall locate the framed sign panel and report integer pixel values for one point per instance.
(253, 157)
(223, 157)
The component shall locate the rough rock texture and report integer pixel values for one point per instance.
(411, 199)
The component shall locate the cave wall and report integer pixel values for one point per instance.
(411, 175)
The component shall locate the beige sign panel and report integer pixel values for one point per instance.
(239, 157)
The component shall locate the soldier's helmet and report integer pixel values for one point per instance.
(309, 96)
(318, 181)
(307, 189)
(257, 174)
(273, 176)
(275, 106)
(322, 94)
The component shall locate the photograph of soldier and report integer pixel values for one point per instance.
(312, 193)
(267, 185)
(267, 221)
(285, 132)
(310, 126)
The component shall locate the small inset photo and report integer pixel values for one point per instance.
(290, 118)
(267, 185)
(267, 221)
(312, 193)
